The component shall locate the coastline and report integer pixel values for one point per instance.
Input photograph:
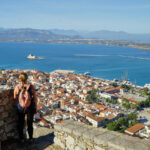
(72, 72)
(88, 42)
(107, 72)
(139, 47)
(108, 80)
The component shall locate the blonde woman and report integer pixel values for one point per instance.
(26, 98)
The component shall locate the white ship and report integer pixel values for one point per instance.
(31, 56)
(34, 57)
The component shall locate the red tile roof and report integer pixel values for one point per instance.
(135, 128)
(130, 100)
(90, 115)
(112, 89)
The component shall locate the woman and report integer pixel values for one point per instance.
(28, 109)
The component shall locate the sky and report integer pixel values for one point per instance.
(131, 16)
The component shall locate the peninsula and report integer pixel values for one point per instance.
(101, 37)
(142, 46)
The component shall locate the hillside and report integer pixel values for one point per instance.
(28, 34)
(59, 34)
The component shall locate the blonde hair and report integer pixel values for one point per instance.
(23, 77)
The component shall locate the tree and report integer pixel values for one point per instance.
(111, 101)
(145, 91)
(114, 84)
(123, 123)
(123, 129)
(125, 87)
(134, 106)
(145, 103)
(92, 97)
(114, 101)
(132, 116)
(112, 126)
(107, 100)
(126, 105)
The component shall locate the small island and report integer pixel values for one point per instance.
(30, 56)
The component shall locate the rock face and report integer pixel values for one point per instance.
(44, 137)
(72, 135)
(8, 116)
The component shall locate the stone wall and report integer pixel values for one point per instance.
(8, 116)
(72, 135)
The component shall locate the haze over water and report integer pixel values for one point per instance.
(106, 62)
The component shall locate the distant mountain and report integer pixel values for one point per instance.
(2, 29)
(29, 34)
(106, 35)
(57, 34)
(117, 35)
(65, 32)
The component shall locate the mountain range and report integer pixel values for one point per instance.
(58, 34)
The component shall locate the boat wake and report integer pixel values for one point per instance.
(93, 55)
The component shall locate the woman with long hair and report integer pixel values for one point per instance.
(26, 98)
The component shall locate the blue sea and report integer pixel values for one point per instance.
(106, 62)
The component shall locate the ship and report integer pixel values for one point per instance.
(30, 56)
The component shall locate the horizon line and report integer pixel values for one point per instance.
(79, 30)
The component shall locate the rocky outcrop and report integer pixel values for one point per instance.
(72, 135)
(8, 116)
(44, 137)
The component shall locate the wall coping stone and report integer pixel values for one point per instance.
(101, 136)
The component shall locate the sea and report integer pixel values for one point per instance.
(107, 62)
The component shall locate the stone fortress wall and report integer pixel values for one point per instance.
(8, 116)
(72, 135)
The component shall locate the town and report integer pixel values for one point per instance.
(116, 105)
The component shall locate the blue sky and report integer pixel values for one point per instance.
(119, 15)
